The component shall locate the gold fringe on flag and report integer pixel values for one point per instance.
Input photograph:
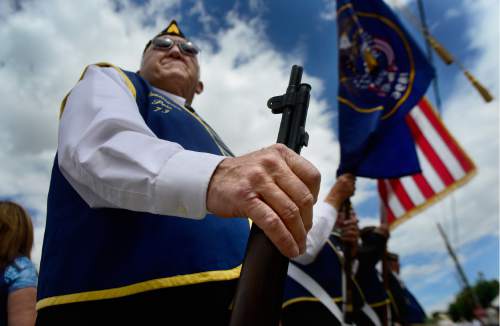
(433, 42)
(446, 56)
(480, 88)
(440, 50)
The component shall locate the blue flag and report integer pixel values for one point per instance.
(382, 76)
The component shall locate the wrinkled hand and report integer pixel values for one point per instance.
(275, 187)
(343, 188)
(349, 230)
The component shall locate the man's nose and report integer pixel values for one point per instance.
(175, 51)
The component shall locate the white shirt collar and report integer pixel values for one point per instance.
(176, 98)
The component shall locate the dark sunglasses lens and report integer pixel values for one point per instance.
(164, 43)
(189, 48)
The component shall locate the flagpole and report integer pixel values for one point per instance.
(348, 305)
(459, 268)
(385, 277)
(430, 56)
(435, 82)
(445, 55)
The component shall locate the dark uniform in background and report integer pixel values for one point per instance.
(405, 308)
(370, 253)
(300, 307)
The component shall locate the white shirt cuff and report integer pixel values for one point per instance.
(323, 222)
(184, 169)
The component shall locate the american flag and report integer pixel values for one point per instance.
(445, 166)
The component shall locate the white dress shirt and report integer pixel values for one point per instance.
(112, 159)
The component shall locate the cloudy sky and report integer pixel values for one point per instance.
(248, 48)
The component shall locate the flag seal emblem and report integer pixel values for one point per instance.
(376, 65)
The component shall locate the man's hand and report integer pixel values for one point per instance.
(342, 189)
(348, 228)
(275, 187)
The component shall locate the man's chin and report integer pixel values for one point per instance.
(174, 78)
(169, 81)
(173, 71)
(173, 64)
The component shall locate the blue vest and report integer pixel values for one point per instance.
(367, 276)
(92, 254)
(326, 270)
(415, 314)
(373, 288)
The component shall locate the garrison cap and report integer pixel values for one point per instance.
(172, 29)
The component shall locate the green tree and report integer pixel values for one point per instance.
(463, 306)
(486, 291)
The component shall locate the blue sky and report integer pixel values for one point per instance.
(248, 48)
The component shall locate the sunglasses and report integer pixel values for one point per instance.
(166, 43)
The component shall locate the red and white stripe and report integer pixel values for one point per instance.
(444, 166)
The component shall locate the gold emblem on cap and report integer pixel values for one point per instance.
(173, 28)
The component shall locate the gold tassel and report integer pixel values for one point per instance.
(480, 88)
(440, 50)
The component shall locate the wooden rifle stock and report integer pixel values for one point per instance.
(259, 294)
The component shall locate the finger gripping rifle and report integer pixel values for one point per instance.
(259, 295)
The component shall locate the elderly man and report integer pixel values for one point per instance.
(147, 210)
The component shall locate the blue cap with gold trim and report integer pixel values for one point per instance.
(172, 29)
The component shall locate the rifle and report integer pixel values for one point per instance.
(259, 294)
(348, 307)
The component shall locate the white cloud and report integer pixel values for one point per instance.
(199, 10)
(330, 10)
(452, 13)
(365, 221)
(398, 3)
(48, 44)
(240, 78)
(45, 46)
(257, 6)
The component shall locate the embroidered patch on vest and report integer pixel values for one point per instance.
(160, 103)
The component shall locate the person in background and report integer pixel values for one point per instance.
(147, 214)
(323, 261)
(370, 253)
(406, 309)
(18, 276)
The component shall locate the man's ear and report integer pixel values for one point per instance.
(199, 87)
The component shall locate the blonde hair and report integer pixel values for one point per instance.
(16, 232)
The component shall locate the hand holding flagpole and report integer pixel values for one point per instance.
(339, 197)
